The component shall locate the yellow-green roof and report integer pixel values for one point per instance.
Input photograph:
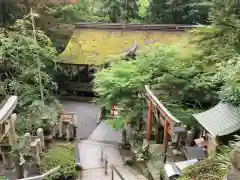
(93, 46)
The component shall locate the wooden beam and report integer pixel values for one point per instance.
(160, 106)
(8, 108)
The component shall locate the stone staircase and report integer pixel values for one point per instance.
(103, 145)
(98, 174)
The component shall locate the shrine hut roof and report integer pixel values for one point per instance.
(96, 44)
(221, 120)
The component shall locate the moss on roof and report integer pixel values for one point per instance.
(93, 46)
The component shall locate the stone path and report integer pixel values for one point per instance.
(97, 138)
(87, 116)
(90, 154)
(105, 133)
(98, 174)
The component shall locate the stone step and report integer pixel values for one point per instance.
(89, 154)
(99, 174)
(95, 174)
(129, 174)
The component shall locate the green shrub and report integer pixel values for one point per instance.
(3, 178)
(61, 155)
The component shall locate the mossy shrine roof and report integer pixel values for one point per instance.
(93, 45)
(222, 119)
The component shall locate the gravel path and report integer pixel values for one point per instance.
(87, 116)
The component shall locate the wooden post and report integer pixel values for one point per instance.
(71, 129)
(165, 140)
(60, 129)
(149, 120)
(27, 137)
(41, 137)
(67, 131)
(39, 146)
(12, 119)
(75, 120)
(35, 152)
(54, 131)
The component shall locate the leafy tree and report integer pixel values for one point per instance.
(119, 11)
(121, 84)
(157, 12)
(219, 42)
(130, 10)
(179, 12)
(172, 77)
(19, 53)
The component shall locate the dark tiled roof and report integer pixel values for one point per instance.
(222, 119)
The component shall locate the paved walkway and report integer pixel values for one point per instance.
(90, 154)
(105, 133)
(97, 138)
(87, 116)
(98, 174)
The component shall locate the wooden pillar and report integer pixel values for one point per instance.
(54, 131)
(60, 129)
(67, 130)
(149, 121)
(12, 119)
(27, 137)
(71, 131)
(39, 145)
(41, 137)
(34, 150)
(165, 140)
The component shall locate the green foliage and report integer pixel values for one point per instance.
(121, 11)
(121, 84)
(211, 168)
(143, 6)
(173, 77)
(116, 123)
(3, 178)
(178, 12)
(19, 54)
(219, 43)
(61, 155)
(207, 169)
